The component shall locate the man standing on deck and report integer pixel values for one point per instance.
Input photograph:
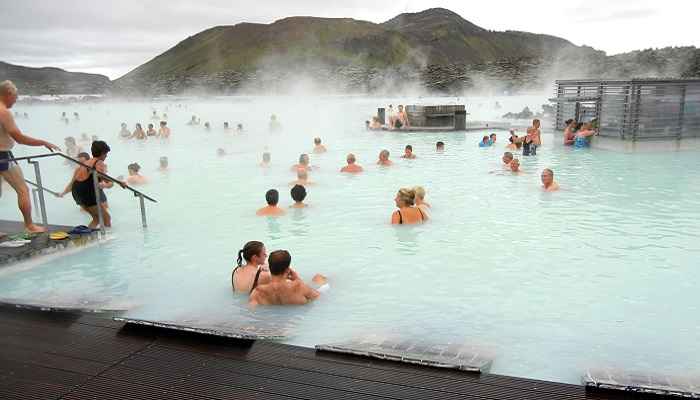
(10, 171)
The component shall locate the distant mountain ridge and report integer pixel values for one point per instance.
(433, 50)
(49, 80)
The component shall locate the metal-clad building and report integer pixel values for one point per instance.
(637, 109)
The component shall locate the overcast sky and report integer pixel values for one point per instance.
(113, 37)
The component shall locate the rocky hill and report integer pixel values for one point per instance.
(37, 81)
(435, 48)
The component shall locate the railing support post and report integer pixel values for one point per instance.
(42, 204)
(143, 211)
(35, 197)
(96, 184)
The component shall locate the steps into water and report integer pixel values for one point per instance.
(35, 244)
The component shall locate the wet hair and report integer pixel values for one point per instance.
(568, 121)
(139, 126)
(150, 126)
(83, 155)
(407, 196)
(163, 123)
(252, 248)
(409, 147)
(384, 152)
(298, 193)
(351, 158)
(419, 192)
(317, 140)
(272, 197)
(485, 138)
(266, 157)
(99, 148)
(493, 134)
(508, 155)
(303, 158)
(548, 170)
(536, 122)
(279, 261)
(134, 167)
(440, 144)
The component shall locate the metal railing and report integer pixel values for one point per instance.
(39, 188)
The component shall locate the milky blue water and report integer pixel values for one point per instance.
(602, 273)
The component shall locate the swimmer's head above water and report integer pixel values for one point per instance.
(164, 162)
(253, 253)
(304, 159)
(507, 157)
(440, 146)
(279, 262)
(515, 165)
(547, 177)
(298, 193)
(317, 141)
(133, 168)
(351, 158)
(384, 155)
(266, 157)
(405, 197)
(272, 197)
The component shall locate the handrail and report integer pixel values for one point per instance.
(120, 183)
(39, 187)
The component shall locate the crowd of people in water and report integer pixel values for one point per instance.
(266, 279)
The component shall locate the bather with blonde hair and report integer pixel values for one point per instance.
(421, 203)
(407, 213)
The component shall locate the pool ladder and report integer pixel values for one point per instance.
(39, 189)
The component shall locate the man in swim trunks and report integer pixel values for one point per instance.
(548, 184)
(10, 171)
(351, 168)
(284, 288)
(271, 210)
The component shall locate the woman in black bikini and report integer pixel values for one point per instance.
(246, 277)
(407, 213)
(83, 189)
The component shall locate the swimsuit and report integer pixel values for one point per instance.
(581, 142)
(255, 281)
(84, 191)
(4, 164)
(422, 217)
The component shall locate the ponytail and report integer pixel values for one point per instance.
(250, 249)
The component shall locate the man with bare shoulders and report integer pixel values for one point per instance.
(271, 210)
(285, 287)
(10, 171)
(164, 131)
(318, 147)
(302, 179)
(515, 167)
(548, 184)
(351, 168)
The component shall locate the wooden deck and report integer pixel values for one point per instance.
(70, 356)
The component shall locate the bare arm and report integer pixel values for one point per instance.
(395, 218)
(69, 187)
(8, 122)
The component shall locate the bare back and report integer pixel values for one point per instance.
(284, 292)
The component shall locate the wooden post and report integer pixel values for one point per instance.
(461, 120)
